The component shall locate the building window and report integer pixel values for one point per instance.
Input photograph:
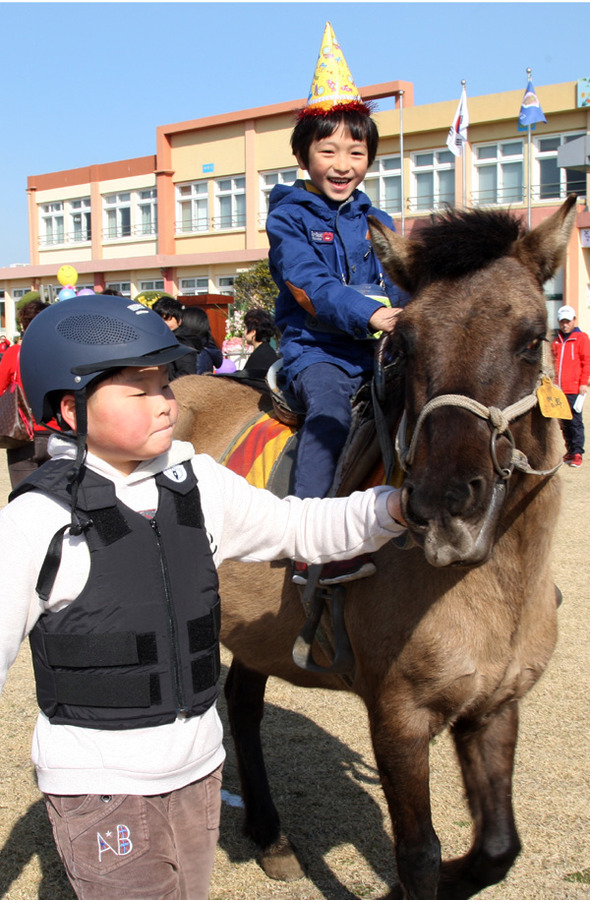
(147, 207)
(552, 182)
(19, 293)
(230, 202)
(194, 286)
(117, 209)
(192, 207)
(433, 179)
(226, 285)
(499, 173)
(156, 285)
(52, 223)
(267, 182)
(124, 287)
(80, 230)
(383, 184)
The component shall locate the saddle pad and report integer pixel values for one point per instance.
(255, 453)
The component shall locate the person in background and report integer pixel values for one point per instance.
(333, 297)
(4, 343)
(196, 322)
(23, 460)
(571, 356)
(259, 331)
(172, 311)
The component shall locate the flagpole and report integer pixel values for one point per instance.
(529, 73)
(463, 161)
(401, 162)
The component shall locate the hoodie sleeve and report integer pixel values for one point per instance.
(314, 284)
(253, 525)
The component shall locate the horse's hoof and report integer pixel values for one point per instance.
(279, 861)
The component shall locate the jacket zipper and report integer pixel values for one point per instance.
(180, 700)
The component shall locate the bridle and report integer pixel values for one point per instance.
(498, 419)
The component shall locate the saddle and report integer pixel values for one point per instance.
(265, 453)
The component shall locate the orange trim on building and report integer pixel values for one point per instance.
(141, 165)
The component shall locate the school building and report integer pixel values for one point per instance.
(191, 216)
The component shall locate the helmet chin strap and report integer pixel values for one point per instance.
(80, 522)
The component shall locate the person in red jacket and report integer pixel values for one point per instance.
(23, 460)
(571, 355)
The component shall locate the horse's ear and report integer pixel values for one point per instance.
(395, 252)
(542, 250)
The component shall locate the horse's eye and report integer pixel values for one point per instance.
(530, 353)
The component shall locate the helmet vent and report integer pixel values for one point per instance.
(96, 329)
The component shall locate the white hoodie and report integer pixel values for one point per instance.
(243, 523)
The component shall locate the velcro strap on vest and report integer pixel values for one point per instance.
(204, 631)
(102, 690)
(83, 651)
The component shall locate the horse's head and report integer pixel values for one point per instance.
(471, 342)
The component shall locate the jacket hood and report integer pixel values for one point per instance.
(283, 194)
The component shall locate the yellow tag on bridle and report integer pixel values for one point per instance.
(552, 401)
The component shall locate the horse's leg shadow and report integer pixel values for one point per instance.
(244, 693)
(486, 755)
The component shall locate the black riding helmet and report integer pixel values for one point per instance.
(70, 344)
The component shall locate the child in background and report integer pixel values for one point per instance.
(124, 619)
(333, 296)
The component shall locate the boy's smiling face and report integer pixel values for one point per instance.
(131, 417)
(337, 164)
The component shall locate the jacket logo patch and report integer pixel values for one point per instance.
(122, 842)
(176, 474)
(322, 237)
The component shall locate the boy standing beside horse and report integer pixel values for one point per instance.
(118, 539)
(333, 297)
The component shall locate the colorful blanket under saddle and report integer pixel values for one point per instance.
(256, 452)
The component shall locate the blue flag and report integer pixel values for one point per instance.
(530, 110)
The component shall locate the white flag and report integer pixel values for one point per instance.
(458, 130)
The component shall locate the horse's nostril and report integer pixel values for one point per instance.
(465, 497)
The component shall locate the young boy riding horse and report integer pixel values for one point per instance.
(333, 298)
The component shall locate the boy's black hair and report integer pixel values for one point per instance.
(316, 128)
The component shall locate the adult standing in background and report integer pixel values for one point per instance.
(171, 311)
(571, 355)
(259, 330)
(23, 460)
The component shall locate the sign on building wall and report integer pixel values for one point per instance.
(584, 92)
(584, 237)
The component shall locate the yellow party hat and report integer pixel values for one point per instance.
(332, 88)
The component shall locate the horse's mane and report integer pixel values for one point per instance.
(457, 242)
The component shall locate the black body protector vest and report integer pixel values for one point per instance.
(140, 645)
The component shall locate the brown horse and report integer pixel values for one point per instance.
(454, 631)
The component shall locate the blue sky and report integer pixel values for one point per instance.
(86, 83)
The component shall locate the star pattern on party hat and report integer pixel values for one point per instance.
(332, 87)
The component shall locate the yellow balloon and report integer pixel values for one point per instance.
(67, 275)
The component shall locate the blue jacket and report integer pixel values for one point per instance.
(320, 249)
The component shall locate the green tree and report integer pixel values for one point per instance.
(255, 288)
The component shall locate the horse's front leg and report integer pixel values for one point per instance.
(401, 745)
(486, 755)
(244, 692)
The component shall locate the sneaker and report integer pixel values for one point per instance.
(568, 458)
(299, 573)
(576, 460)
(347, 570)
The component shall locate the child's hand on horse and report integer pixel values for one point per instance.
(384, 319)
(394, 507)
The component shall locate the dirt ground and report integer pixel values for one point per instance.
(325, 783)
